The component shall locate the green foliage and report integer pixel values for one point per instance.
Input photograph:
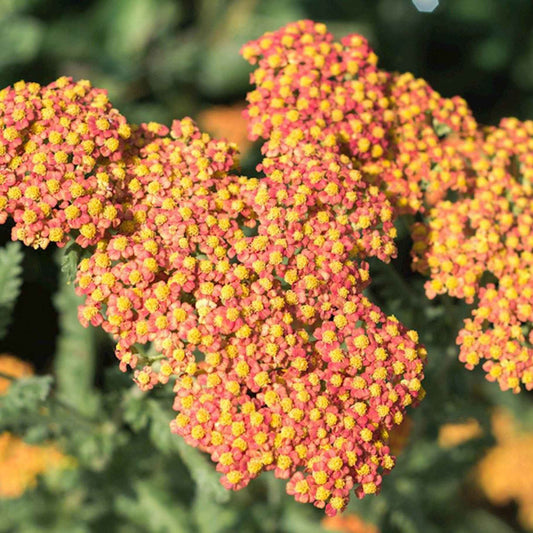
(10, 282)
(76, 348)
(72, 254)
(25, 396)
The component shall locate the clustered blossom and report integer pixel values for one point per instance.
(56, 142)
(431, 139)
(22, 463)
(479, 248)
(471, 184)
(397, 131)
(249, 291)
(151, 281)
(317, 219)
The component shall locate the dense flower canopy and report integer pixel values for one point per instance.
(247, 293)
(479, 248)
(56, 143)
(471, 184)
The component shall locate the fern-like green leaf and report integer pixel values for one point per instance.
(76, 352)
(24, 398)
(10, 282)
(70, 258)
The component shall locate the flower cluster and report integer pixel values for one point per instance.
(55, 144)
(22, 463)
(249, 291)
(152, 280)
(479, 248)
(431, 138)
(395, 128)
(425, 154)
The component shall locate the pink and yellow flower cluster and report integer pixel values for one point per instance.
(469, 185)
(479, 248)
(249, 291)
(55, 147)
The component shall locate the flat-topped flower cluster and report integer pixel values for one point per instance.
(479, 247)
(470, 185)
(249, 290)
(55, 144)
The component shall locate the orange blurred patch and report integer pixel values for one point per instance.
(22, 463)
(451, 435)
(348, 523)
(505, 474)
(12, 366)
(227, 122)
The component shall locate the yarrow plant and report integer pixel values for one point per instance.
(247, 294)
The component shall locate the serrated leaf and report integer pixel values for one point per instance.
(135, 410)
(160, 433)
(211, 517)
(71, 256)
(75, 355)
(25, 395)
(10, 282)
(154, 510)
(298, 518)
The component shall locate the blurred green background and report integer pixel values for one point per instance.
(165, 59)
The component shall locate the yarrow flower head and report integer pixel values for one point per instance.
(55, 144)
(479, 247)
(431, 140)
(310, 86)
(257, 314)
(339, 132)
(155, 276)
(249, 291)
